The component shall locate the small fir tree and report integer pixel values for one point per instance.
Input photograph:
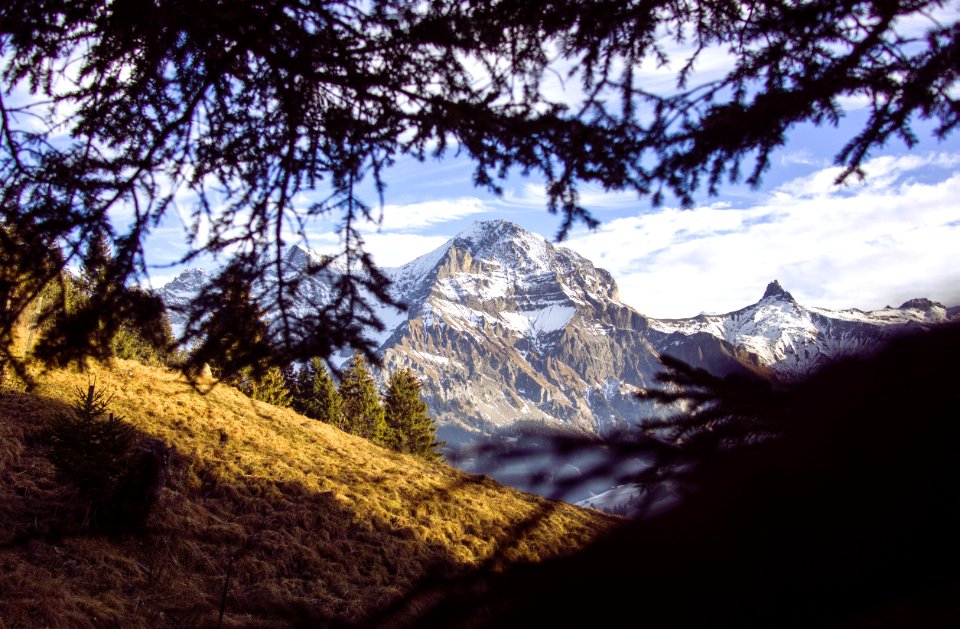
(89, 447)
(362, 412)
(300, 389)
(95, 262)
(411, 430)
(271, 387)
(94, 270)
(290, 378)
(98, 453)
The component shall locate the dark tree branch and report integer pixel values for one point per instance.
(247, 104)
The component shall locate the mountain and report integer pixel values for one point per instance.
(847, 519)
(299, 266)
(178, 292)
(513, 335)
(790, 340)
(508, 329)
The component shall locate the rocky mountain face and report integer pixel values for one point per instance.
(177, 293)
(512, 332)
(514, 335)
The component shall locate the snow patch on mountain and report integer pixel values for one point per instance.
(409, 279)
(913, 311)
(630, 500)
(536, 322)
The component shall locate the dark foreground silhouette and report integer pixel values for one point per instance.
(849, 518)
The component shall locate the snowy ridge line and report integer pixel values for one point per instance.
(792, 339)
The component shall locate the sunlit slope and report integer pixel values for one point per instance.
(319, 524)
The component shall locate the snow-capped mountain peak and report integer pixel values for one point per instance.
(791, 340)
(298, 258)
(178, 292)
(496, 273)
(921, 303)
(775, 291)
(505, 242)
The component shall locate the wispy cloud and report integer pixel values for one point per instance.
(880, 174)
(416, 216)
(388, 249)
(403, 233)
(802, 157)
(534, 196)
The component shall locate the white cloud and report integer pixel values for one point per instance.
(413, 216)
(395, 240)
(157, 281)
(852, 102)
(880, 173)
(592, 196)
(890, 239)
(803, 157)
(865, 244)
(388, 249)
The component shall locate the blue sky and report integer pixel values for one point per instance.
(866, 244)
(889, 238)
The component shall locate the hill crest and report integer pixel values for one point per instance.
(309, 520)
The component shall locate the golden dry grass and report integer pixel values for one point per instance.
(314, 524)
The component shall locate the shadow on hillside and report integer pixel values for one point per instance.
(829, 502)
(35, 504)
(512, 544)
(298, 557)
(265, 552)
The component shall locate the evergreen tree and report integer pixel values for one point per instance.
(98, 453)
(362, 412)
(290, 379)
(235, 340)
(271, 387)
(153, 348)
(90, 447)
(94, 270)
(300, 389)
(95, 263)
(412, 431)
(237, 347)
(142, 335)
(318, 395)
(283, 95)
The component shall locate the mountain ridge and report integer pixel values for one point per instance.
(510, 332)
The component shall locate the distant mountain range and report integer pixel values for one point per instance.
(511, 333)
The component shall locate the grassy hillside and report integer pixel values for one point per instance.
(312, 524)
